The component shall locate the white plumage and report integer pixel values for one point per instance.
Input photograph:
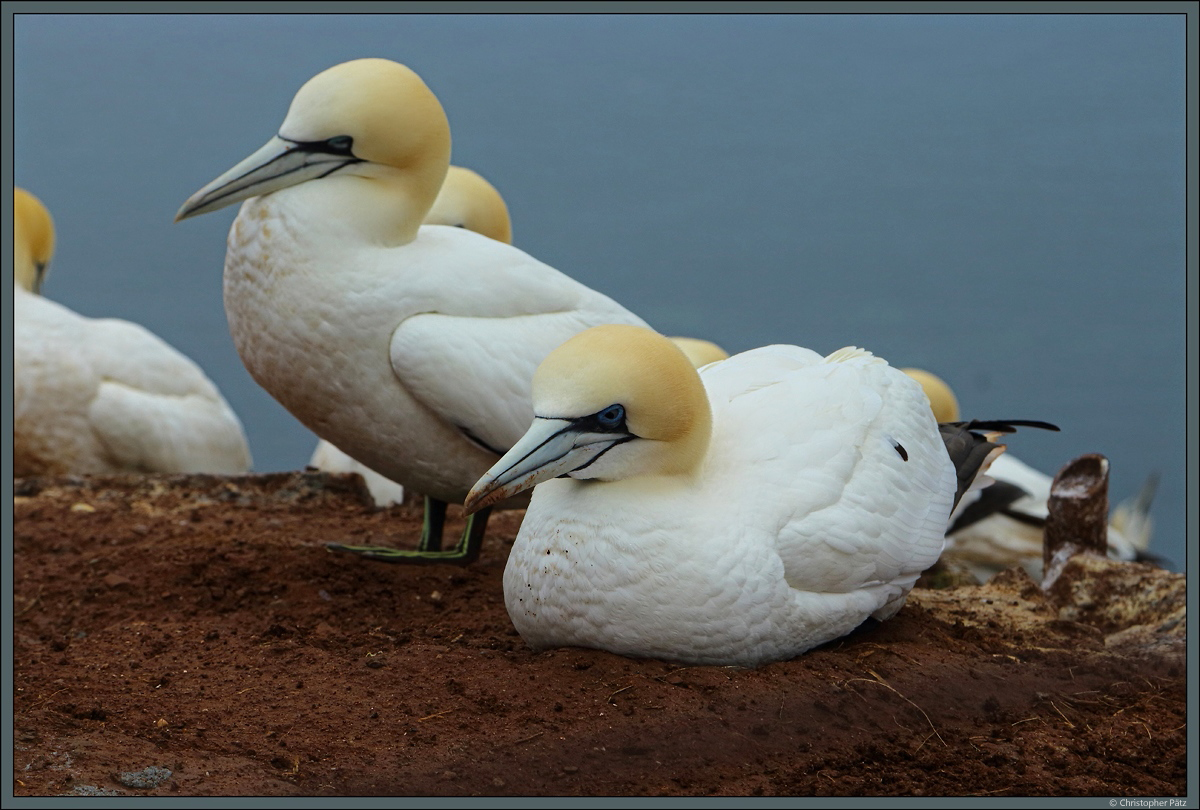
(409, 347)
(821, 496)
(466, 200)
(105, 395)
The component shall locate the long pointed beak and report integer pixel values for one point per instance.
(549, 449)
(278, 164)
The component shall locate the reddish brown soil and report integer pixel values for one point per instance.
(198, 624)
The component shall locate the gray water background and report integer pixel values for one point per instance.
(999, 199)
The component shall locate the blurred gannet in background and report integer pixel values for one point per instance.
(700, 352)
(410, 348)
(1002, 526)
(942, 401)
(467, 200)
(104, 395)
(741, 514)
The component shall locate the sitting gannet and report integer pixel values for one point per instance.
(1001, 527)
(104, 395)
(466, 200)
(410, 348)
(741, 514)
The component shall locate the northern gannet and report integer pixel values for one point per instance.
(700, 352)
(410, 348)
(737, 515)
(466, 200)
(1002, 527)
(104, 395)
(942, 401)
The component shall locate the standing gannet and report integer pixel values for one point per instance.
(104, 395)
(410, 348)
(1002, 526)
(466, 200)
(741, 514)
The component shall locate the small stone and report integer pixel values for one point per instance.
(570, 769)
(145, 779)
(91, 790)
(82, 507)
(161, 722)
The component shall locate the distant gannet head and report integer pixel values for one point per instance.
(468, 201)
(941, 398)
(372, 118)
(33, 240)
(700, 352)
(613, 402)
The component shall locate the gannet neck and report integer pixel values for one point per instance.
(469, 201)
(33, 240)
(941, 397)
(370, 119)
(353, 209)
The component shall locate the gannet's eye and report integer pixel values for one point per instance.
(340, 144)
(611, 416)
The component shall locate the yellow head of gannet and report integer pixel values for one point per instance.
(700, 352)
(327, 263)
(104, 395)
(941, 398)
(33, 240)
(736, 515)
(469, 201)
(600, 416)
(369, 118)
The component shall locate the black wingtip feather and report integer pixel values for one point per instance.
(1003, 425)
(969, 450)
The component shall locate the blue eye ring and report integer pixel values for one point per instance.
(612, 416)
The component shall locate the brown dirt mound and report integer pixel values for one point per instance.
(197, 624)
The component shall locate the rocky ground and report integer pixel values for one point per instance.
(191, 635)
